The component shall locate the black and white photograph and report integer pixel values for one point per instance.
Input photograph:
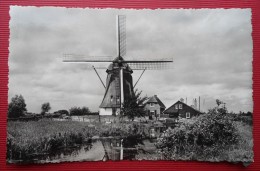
(89, 84)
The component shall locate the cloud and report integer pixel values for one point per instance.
(211, 48)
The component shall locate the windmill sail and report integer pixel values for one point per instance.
(121, 35)
(119, 82)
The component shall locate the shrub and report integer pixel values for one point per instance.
(204, 139)
(77, 111)
(62, 112)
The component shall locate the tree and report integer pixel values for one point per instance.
(16, 107)
(133, 106)
(45, 107)
(85, 110)
(75, 111)
(221, 109)
(79, 111)
(218, 102)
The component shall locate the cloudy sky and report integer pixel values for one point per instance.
(211, 49)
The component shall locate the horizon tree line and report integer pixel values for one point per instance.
(131, 108)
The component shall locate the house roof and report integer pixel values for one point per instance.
(172, 109)
(155, 99)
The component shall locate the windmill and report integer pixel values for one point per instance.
(119, 82)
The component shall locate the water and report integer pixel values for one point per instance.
(100, 149)
(88, 152)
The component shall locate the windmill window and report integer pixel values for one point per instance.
(187, 115)
(151, 104)
(176, 106)
(111, 98)
(117, 99)
(180, 106)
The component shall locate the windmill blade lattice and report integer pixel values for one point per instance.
(150, 65)
(121, 35)
(83, 58)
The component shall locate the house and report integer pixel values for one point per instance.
(181, 110)
(154, 107)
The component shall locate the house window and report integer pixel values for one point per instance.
(151, 104)
(111, 99)
(187, 115)
(176, 106)
(180, 106)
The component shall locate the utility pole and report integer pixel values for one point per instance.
(199, 103)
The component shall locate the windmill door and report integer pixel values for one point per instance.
(114, 111)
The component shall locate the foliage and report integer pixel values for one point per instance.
(245, 118)
(77, 111)
(45, 107)
(44, 136)
(16, 107)
(221, 107)
(207, 137)
(85, 110)
(218, 102)
(133, 106)
(62, 112)
(48, 136)
(135, 134)
(243, 150)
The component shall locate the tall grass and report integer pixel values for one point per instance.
(29, 140)
(35, 138)
(243, 150)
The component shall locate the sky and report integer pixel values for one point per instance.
(211, 50)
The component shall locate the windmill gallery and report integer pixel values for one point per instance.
(125, 124)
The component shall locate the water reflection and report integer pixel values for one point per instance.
(96, 149)
(93, 151)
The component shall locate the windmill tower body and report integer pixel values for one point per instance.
(118, 78)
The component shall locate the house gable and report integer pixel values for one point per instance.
(154, 105)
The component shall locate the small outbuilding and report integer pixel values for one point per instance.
(181, 110)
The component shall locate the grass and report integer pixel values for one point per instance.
(27, 140)
(42, 128)
(243, 151)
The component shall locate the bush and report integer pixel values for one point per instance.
(62, 112)
(205, 139)
(77, 111)
(17, 107)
